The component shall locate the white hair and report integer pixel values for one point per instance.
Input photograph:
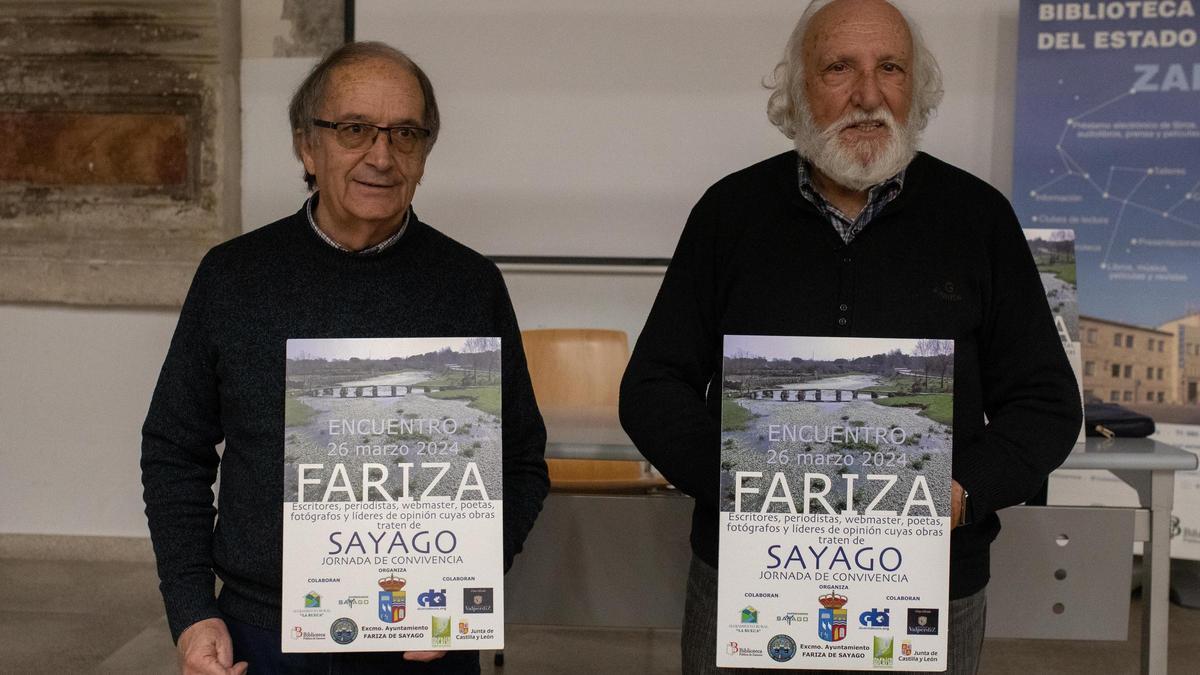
(787, 105)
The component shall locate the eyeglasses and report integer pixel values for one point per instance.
(360, 135)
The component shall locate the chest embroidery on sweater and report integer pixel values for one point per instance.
(948, 291)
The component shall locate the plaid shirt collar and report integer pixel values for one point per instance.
(878, 196)
(373, 250)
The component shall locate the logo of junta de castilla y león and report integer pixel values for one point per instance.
(831, 618)
(392, 599)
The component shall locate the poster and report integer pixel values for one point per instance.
(1108, 144)
(835, 503)
(392, 514)
(1054, 254)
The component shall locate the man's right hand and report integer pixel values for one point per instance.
(206, 649)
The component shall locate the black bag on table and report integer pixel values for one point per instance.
(1111, 420)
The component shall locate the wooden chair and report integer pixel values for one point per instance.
(576, 377)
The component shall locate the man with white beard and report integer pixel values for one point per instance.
(857, 234)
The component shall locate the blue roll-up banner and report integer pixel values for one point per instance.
(1107, 143)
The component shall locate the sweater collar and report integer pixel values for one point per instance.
(310, 206)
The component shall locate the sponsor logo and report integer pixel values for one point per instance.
(343, 631)
(312, 606)
(464, 628)
(906, 648)
(298, 633)
(392, 599)
(781, 648)
(831, 618)
(477, 600)
(439, 631)
(355, 601)
(922, 621)
(737, 649)
(881, 651)
(432, 598)
(793, 617)
(875, 618)
(749, 615)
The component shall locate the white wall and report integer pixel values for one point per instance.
(74, 388)
(572, 127)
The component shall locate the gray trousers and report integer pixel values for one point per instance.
(699, 639)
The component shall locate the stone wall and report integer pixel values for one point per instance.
(120, 151)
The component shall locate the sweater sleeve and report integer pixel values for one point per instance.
(663, 392)
(1029, 392)
(526, 479)
(179, 465)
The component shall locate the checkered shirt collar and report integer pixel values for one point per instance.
(878, 196)
(373, 250)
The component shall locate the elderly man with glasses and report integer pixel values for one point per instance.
(353, 261)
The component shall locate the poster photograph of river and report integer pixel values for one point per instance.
(390, 401)
(827, 413)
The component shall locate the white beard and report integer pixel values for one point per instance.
(857, 166)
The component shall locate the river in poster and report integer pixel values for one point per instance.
(1108, 144)
(392, 495)
(835, 502)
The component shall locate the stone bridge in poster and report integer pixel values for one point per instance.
(368, 391)
(817, 395)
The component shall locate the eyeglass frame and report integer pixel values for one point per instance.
(326, 124)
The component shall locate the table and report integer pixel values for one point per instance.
(1146, 465)
(1149, 468)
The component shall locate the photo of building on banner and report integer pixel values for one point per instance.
(392, 495)
(835, 502)
(1108, 145)
(1054, 254)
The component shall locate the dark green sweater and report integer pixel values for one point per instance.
(946, 259)
(223, 380)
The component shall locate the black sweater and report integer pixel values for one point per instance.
(946, 259)
(223, 379)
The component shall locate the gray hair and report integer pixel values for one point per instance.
(311, 93)
(786, 105)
